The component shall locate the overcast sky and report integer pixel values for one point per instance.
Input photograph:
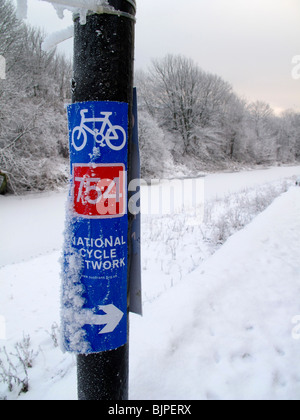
(249, 43)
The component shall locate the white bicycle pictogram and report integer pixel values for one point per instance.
(115, 136)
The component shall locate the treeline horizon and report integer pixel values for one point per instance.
(196, 120)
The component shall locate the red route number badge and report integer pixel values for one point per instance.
(99, 190)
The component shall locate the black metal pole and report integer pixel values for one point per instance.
(103, 71)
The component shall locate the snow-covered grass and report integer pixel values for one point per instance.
(217, 317)
(31, 306)
(173, 247)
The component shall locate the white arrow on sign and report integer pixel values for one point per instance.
(110, 319)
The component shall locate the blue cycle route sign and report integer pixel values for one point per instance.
(94, 292)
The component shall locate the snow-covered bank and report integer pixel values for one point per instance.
(32, 225)
(218, 185)
(225, 332)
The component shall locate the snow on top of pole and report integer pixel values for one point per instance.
(77, 7)
(82, 7)
(56, 38)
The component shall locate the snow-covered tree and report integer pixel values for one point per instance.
(262, 132)
(208, 123)
(177, 90)
(33, 125)
(156, 159)
(288, 137)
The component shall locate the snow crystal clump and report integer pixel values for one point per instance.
(73, 315)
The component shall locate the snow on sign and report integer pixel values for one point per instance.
(94, 293)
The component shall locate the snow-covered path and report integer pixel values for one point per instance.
(226, 331)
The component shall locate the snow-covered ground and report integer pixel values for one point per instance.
(217, 318)
(225, 331)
